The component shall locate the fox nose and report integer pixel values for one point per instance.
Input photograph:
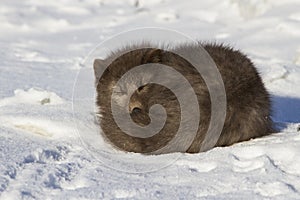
(136, 110)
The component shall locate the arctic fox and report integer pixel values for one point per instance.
(248, 103)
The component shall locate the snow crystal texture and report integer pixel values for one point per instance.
(42, 48)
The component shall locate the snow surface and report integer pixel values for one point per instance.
(43, 45)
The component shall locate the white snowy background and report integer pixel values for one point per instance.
(43, 44)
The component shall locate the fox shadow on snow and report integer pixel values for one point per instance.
(285, 110)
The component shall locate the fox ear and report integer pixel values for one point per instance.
(99, 67)
(153, 56)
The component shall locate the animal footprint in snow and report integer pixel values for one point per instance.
(198, 167)
(247, 165)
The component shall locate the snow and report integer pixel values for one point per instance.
(42, 152)
(32, 96)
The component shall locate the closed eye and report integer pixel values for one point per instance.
(116, 92)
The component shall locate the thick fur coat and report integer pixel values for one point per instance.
(248, 103)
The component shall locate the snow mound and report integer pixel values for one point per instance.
(32, 96)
